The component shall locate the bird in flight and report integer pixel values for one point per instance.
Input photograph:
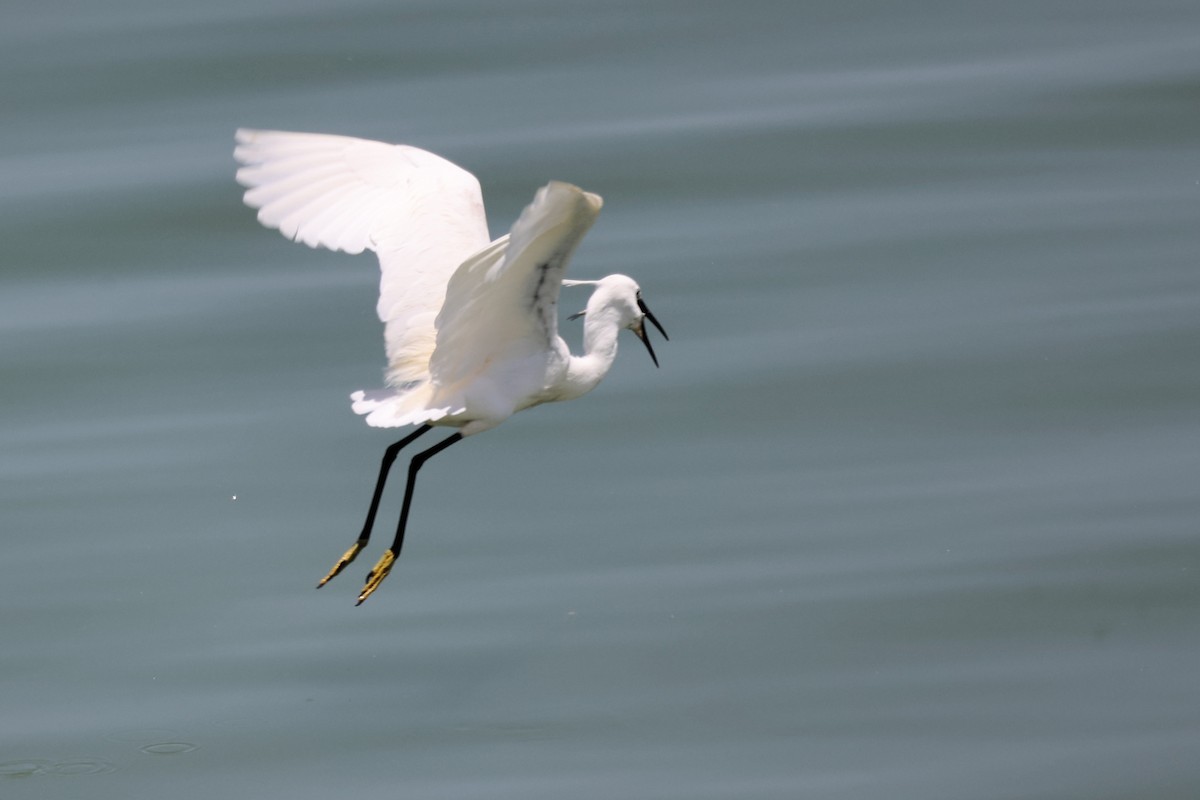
(470, 324)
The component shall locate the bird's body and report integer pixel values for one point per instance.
(470, 325)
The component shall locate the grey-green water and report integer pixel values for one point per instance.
(910, 510)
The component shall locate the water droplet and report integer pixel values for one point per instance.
(80, 766)
(169, 748)
(23, 768)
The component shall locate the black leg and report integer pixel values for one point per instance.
(389, 456)
(384, 566)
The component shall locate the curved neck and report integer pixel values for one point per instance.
(600, 330)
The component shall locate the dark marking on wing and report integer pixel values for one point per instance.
(537, 301)
(542, 271)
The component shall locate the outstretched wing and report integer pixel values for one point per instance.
(421, 214)
(503, 302)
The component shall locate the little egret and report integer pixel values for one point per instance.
(470, 325)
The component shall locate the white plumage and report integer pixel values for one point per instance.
(470, 325)
(422, 215)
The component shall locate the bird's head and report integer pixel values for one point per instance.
(621, 296)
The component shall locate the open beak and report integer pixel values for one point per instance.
(639, 330)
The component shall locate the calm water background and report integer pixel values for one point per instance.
(910, 510)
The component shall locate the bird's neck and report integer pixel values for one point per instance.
(600, 330)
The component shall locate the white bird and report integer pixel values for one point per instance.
(470, 325)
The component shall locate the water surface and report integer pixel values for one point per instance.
(908, 512)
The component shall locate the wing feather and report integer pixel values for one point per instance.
(421, 214)
(502, 303)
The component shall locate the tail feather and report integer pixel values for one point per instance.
(396, 408)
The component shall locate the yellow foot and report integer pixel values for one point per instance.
(381, 570)
(346, 558)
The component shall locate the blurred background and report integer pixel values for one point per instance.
(909, 511)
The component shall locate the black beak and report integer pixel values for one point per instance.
(640, 330)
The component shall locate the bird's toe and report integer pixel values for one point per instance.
(342, 562)
(378, 573)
